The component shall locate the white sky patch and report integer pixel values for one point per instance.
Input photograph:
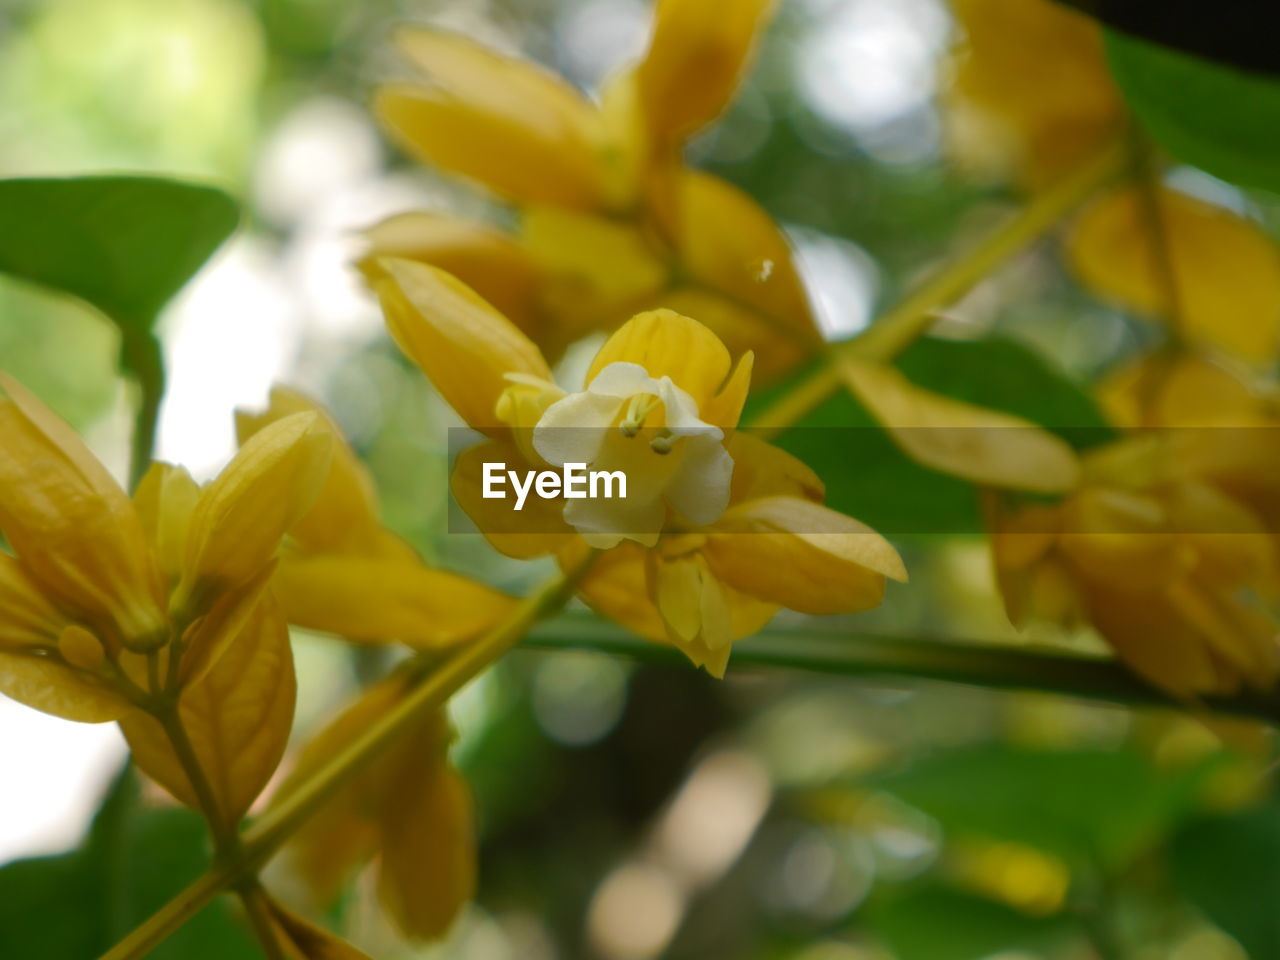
(596, 38)
(867, 63)
(231, 334)
(840, 278)
(57, 771)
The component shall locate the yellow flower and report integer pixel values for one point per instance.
(343, 572)
(409, 808)
(1030, 93)
(610, 222)
(723, 530)
(1169, 568)
(154, 611)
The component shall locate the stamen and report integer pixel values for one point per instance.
(638, 408)
(663, 442)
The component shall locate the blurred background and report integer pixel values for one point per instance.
(628, 811)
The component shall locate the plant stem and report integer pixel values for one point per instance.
(226, 838)
(275, 826)
(867, 654)
(253, 898)
(142, 357)
(911, 317)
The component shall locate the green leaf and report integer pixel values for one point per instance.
(1223, 120)
(134, 860)
(937, 923)
(1104, 807)
(868, 477)
(1229, 866)
(124, 244)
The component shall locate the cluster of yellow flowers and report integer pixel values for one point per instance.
(169, 611)
(1167, 545)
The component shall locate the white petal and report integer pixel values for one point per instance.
(573, 428)
(700, 489)
(622, 379)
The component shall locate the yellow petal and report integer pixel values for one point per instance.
(242, 515)
(725, 408)
(208, 638)
(616, 586)
(1242, 640)
(729, 244)
(762, 470)
(165, 499)
(695, 60)
(342, 834)
(457, 339)
(534, 531)
(741, 329)
(1182, 390)
(596, 271)
(75, 530)
(487, 260)
(379, 601)
(1122, 538)
(1232, 544)
(308, 941)
(668, 344)
(237, 717)
(344, 516)
(803, 556)
(1225, 270)
(516, 128)
(55, 688)
(1031, 80)
(427, 870)
(1153, 640)
(703, 616)
(26, 616)
(408, 806)
(954, 437)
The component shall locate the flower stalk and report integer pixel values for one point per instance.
(911, 317)
(439, 681)
(877, 655)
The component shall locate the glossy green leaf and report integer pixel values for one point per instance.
(1223, 120)
(937, 923)
(78, 904)
(868, 477)
(1102, 806)
(124, 244)
(1229, 866)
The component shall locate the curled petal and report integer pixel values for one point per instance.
(762, 470)
(237, 717)
(803, 556)
(535, 531)
(344, 515)
(75, 530)
(958, 438)
(243, 514)
(26, 616)
(487, 260)
(378, 601)
(58, 689)
(1224, 269)
(165, 499)
(457, 339)
(695, 61)
(667, 344)
(518, 129)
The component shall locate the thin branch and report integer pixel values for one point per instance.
(912, 317)
(275, 826)
(877, 655)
